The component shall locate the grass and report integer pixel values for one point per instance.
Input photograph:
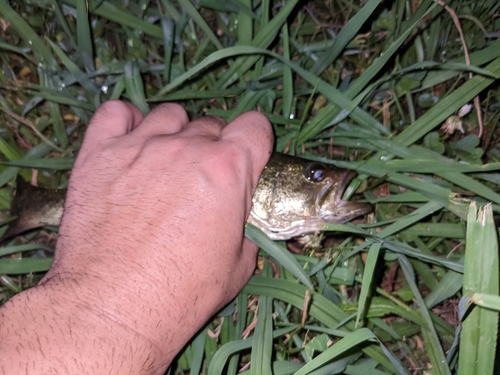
(362, 87)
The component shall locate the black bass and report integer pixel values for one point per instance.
(294, 196)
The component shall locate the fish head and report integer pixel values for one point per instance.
(296, 196)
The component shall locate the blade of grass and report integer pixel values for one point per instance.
(50, 81)
(198, 344)
(75, 71)
(45, 57)
(119, 15)
(135, 87)
(345, 344)
(322, 309)
(168, 28)
(60, 164)
(220, 358)
(445, 230)
(24, 265)
(262, 338)
(449, 285)
(392, 245)
(431, 338)
(278, 252)
(368, 280)
(346, 34)
(447, 106)
(13, 249)
(262, 40)
(337, 109)
(288, 90)
(84, 36)
(62, 20)
(479, 329)
(193, 13)
(488, 301)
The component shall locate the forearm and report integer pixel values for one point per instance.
(45, 330)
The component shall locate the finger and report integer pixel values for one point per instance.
(252, 132)
(168, 118)
(112, 119)
(208, 126)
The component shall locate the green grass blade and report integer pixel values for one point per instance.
(322, 309)
(198, 344)
(195, 15)
(344, 345)
(445, 230)
(119, 15)
(262, 339)
(8, 151)
(288, 90)
(346, 34)
(84, 36)
(168, 28)
(245, 25)
(348, 107)
(408, 220)
(262, 40)
(478, 58)
(431, 338)
(278, 252)
(23, 51)
(24, 265)
(368, 280)
(57, 97)
(447, 106)
(135, 87)
(7, 250)
(74, 69)
(220, 358)
(55, 111)
(449, 285)
(62, 20)
(59, 164)
(28, 34)
(479, 329)
(488, 301)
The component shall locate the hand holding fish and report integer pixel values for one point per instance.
(151, 243)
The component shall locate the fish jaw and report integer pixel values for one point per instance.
(346, 211)
(335, 210)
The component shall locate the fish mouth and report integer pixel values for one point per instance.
(337, 210)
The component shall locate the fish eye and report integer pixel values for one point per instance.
(315, 172)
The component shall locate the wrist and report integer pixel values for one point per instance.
(59, 328)
(138, 306)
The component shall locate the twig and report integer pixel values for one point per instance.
(32, 127)
(477, 104)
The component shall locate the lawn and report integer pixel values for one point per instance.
(405, 93)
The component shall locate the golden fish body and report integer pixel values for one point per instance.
(294, 196)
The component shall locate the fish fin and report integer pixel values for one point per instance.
(20, 224)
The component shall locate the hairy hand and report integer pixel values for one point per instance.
(152, 235)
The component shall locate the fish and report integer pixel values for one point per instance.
(294, 196)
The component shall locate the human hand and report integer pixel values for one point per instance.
(151, 243)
